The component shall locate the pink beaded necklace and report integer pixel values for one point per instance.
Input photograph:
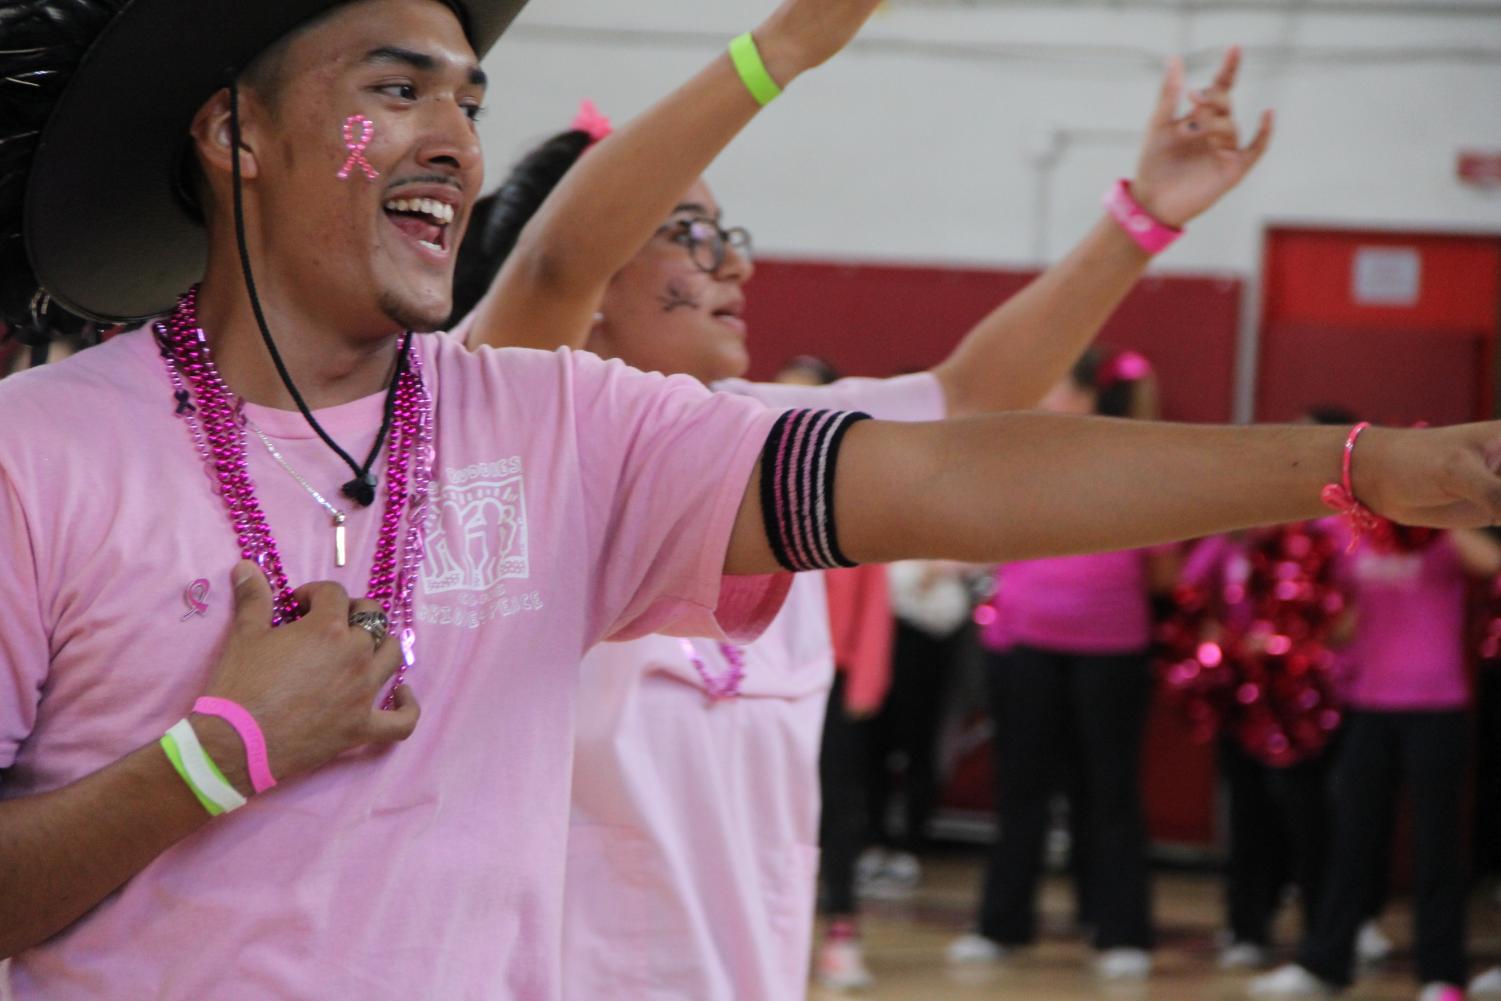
(726, 685)
(215, 420)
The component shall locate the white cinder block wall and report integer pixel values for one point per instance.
(982, 131)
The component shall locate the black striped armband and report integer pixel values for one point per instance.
(797, 487)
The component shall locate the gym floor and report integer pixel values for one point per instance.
(905, 942)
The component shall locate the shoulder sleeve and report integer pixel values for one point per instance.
(917, 397)
(664, 466)
(24, 647)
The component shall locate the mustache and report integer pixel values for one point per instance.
(444, 179)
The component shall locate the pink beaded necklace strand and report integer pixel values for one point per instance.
(213, 415)
(727, 685)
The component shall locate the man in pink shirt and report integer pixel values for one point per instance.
(311, 167)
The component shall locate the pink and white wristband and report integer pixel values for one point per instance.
(1149, 234)
(256, 760)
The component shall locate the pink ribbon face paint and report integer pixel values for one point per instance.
(358, 131)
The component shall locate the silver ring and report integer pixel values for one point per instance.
(41, 301)
(374, 623)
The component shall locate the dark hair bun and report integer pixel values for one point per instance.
(499, 218)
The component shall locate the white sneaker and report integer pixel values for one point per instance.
(1124, 964)
(972, 947)
(1441, 992)
(902, 869)
(1372, 945)
(896, 879)
(869, 865)
(841, 966)
(1488, 984)
(1243, 956)
(1290, 981)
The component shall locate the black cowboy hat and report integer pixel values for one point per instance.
(106, 232)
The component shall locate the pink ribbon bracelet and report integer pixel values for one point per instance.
(1341, 497)
(237, 716)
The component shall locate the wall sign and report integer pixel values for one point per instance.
(1386, 276)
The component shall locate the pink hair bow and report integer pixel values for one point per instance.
(589, 120)
(1128, 366)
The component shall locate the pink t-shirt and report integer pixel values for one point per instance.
(574, 499)
(692, 853)
(1078, 604)
(1408, 652)
(862, 624)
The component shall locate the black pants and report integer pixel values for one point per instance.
(1378, 750)
(907, 725)
(840, 769)
(1488, 772)
(1050, 707)
(1279, 832)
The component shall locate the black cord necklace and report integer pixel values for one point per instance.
(361, 489)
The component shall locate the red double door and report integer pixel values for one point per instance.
(1399, 327)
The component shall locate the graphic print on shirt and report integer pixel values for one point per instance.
(476, 543)
(1390, 568)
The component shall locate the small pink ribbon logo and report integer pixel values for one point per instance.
(195, 596)
(358, 131)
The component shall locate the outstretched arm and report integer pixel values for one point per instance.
(1022, 485)
(612, 201)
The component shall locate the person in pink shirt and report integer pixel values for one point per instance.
(1407, 724)
(201, 793)
(728, 880)
(1069, 696)
(1276, 786)
(861, 624)
(860, 627)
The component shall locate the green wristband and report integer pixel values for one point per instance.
(747, 60)
(199, 771)
(175, 756)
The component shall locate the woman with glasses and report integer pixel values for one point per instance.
(692, 849)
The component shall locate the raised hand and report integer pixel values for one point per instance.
(1188, 162)
(312, 685)
(802, 34)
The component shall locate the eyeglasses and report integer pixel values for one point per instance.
(708, 242)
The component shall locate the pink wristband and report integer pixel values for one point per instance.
(1149, 234)
(249, 730)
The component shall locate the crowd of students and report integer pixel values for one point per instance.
(1072, 662)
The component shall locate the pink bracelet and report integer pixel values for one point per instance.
(249, 730)
(1341, 497)
(1149, 234)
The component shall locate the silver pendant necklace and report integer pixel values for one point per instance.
(337, 515)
